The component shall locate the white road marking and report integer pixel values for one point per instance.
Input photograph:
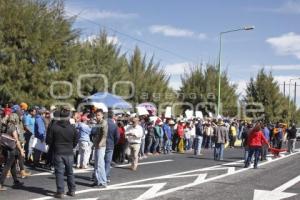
(157, 194)
(144, 163)
(277, 193)
(82, 171)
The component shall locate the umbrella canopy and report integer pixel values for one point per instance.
(150, 107)
(110, 100)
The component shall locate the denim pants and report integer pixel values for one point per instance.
(64, 163)
(149, 143)
(198, 145)
(219, 151)
(99, 166)
(156, 145)
(142, 148)
(291, 145)
(256, 151)
(9, 165)
(108, 158)
(167, 146)
(188, 144)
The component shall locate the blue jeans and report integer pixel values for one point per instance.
(108, 159)
(64, 163)
(219, 151)
(142, 148)
(256, 151)
(167, 146)
(149, 143)
(99, 167)
(188, 144)
(156, 145)
(198, 145)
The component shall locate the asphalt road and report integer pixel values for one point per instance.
(179, 176)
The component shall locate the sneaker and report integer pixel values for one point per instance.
(2, 188)
(72, 194)
(108, 181)
(59, 195)
(18, 184)
(24, 174)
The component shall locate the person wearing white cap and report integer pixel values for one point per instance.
(134, 133)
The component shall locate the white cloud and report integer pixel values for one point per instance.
(287, 44)
(95, 14)
(171, 31)
(176, 68)
(175, 84)
(295, 67)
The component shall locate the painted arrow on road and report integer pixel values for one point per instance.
(277, 193)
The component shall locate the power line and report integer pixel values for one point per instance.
(134, 38)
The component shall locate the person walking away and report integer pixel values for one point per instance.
(112, 139)
(180, 136)
(134, 134)
(187, 136)
(232, 134)
(39, 134)
(15, 119)
(99, 134)
(167, 137)
(291, 136)
(150, 138)
(158, 135)
(10, 157)
(255, 141)
(221, 138)
(265, 147)
(29, 121)
(119, 154)
(84, 131)
(63, 137)
(199, 138)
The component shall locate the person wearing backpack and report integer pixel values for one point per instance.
(11, 153)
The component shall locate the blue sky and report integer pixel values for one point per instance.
(190, 30)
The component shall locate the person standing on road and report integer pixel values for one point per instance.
(255, 141)
(291, 136)
(266, 133)
(199, 138)
(63, 137)
(134, 133)
(221, 138)
(99, 133)
(112, 139)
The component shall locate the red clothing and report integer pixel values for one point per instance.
(256, 139)
(122, 135)
(180, 131)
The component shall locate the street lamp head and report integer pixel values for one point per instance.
(248, 28)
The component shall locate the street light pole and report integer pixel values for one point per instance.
(219, 64)
(290, 82)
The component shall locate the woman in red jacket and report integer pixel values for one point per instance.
(255, 141)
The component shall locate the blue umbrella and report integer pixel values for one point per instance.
(110, 100)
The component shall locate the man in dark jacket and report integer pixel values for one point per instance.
(291, 136)
(111, 140)
(63, 137)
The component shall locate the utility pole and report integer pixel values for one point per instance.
(295, 93)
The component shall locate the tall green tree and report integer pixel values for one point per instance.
(200, 86)
(36, 48)
(264, 90)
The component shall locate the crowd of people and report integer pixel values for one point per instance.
(62, 138)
